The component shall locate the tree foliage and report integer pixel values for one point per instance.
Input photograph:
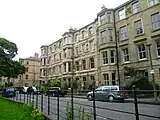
(8, 67)
(55, 83)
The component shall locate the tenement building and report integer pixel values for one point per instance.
(118, 41)
(32, 75)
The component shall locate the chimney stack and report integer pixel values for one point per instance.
(36, 55)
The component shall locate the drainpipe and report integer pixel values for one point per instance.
(117, 53)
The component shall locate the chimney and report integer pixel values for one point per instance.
(36, 55)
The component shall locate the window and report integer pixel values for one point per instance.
(90, 31)
(103, 36)
(141, 51)
(158, 47)
(69, 52)
(113, 79)
(65, 53)
(84, 64)
(26, 76)
(76, 50)
(106, 78)
(87, 47)
(135, 7)
(54, 57)
(65, 40)
(26, 69)
(123, 33)
(84, 82)
(125, 55)
(82, 34)
(109, 17)
(156, 21)
(153, 2)
(50, 49)
(112, 56)
(64, 64)
(69, 67)
(60, 56)
(91, 45)
(110, 34)
(83, 47)
(77, 66)
(102, 19)
(92, 78)
(92, 62)
(27, 63)
(105, 57)
(49, 60)
(138, 26)
(59, 68)
(121, 14)
(44, 61)
(76, 37)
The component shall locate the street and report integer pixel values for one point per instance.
(104, 110)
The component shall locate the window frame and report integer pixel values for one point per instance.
(110, 31)
(102, 21)
(144, 53)
(103, 36)
(106, 75)
(112, 57)
(135, 9)
(123, 32)
(122, 15)
(158, 47)
(125, 55)
(157, 22)
(139, 28)
(92, 62)
(105, 58)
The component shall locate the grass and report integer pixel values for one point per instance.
(14, 111)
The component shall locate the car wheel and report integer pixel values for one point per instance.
(89, 97)
(111, 98)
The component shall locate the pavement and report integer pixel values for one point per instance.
(104, 110)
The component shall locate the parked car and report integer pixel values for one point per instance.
(9, 92)
(54, 91)
(110, 93)
(32, 90)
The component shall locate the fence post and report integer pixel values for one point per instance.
(30, 98)
(94, 104)
(37, 100)
(48, 104)
(33, 99)
(58, 105)
(27, 97)
(42, 102)
(24, 97)
(72, 102)
(135, 102)
(16, 96)
(20, 96)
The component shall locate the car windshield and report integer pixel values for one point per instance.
(114, 88)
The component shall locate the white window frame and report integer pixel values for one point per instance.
(107, 78)
(103, 37)
(136, 7)
(112, 56)
(125, 55)
(110, 31)
(144, 53)
(90, 30)
(138, 33)
(105, 58)
(121, 15)
(153, 2)
(123, 34)
(156, 22)
(102, 21)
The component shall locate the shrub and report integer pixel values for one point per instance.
(55, 83)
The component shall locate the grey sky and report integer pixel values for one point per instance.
(32, 23)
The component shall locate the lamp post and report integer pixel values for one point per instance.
(152, 71)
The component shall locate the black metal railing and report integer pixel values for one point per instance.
(75, 106)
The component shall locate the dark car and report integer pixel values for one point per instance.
(54, 91)
(9, 92)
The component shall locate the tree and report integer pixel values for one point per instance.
(75, 85)
(55, 83)
(8, 67)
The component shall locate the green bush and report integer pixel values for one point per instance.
(55, 83)
(141, 83)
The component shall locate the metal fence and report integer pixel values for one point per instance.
(75, 106)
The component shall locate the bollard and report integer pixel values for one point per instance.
(58, 105)
(135, 102)
(48, 105)
(94, 104)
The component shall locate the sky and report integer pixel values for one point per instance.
(33, 23)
